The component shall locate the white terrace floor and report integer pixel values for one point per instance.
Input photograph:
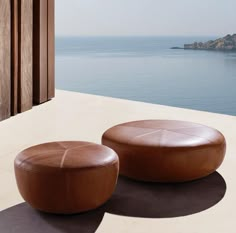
(75, 116)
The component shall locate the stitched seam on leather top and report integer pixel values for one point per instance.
(191, 135)
(60, 144)
(66, 152)
(124, 144)
(58, 169)
(34, 155)
(138, 127)
(47, 153)
(63, 158)
(145, 134)
(171, 130)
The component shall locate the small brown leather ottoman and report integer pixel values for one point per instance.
(166, 150)
(66, 177)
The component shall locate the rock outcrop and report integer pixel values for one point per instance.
(227, 43)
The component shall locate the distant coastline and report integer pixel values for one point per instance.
(227, 43)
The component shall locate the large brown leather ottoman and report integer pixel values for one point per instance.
(166, 150)
(66, 177)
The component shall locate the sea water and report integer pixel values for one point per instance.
(146, 69)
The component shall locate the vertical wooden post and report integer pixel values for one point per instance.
(25, 55)
(5, 60)
(14, 56)
(51, 49)
(40, 47)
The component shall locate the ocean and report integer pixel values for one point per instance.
(146, 69)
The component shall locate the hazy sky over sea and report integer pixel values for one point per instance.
(145, 17)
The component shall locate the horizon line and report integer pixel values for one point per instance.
(60, 35)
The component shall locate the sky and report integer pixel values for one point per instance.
(145, 17)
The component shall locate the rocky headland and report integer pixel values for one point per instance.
(227, 43)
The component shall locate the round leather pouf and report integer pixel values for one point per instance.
(166, 150)
(66, 177)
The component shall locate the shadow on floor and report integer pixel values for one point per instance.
(131, 198)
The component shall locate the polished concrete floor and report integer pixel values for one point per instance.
(76, 116)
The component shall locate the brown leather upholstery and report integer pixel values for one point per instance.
(66, 177)
(166, 151)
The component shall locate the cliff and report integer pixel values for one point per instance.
(227, 43)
